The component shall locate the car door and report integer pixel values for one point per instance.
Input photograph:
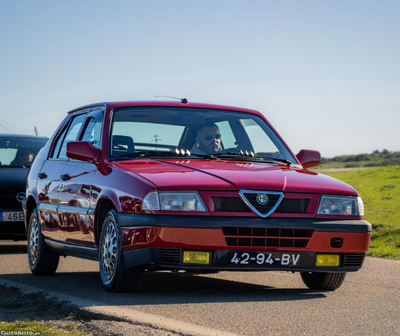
(75, 208)
(50, 179)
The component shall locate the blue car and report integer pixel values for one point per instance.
(17, 153)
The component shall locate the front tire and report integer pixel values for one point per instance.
(323, 280)
(42, 260)
(114, 276)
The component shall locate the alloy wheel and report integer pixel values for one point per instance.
(34, 242)
(109, 253)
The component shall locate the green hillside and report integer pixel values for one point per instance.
(380, 191)
(376, 159)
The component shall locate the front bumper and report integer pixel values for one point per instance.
(135, 220)
(171, 259)
(158, 242)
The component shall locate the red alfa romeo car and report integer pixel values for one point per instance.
(144, 186)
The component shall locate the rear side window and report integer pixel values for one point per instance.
(69, 134)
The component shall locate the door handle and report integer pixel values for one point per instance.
(42, 175)
(65, 177)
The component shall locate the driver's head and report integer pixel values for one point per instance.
(25, 155)
(209, 138)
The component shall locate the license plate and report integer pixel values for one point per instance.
(254, 258)
(11, 216)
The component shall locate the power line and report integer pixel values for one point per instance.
(7, 124)
(6, 128)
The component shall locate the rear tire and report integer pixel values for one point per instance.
(42, 260)
(323, 280)
(114, 276)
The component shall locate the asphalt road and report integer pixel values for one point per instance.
(251, 303)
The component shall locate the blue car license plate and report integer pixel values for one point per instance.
(11, 216)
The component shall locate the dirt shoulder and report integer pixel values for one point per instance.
(39, 314)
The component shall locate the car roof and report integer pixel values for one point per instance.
(26, 136)
(113, 105)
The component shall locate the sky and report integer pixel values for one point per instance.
(326, 74)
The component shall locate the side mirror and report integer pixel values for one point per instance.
(83, 151)
(309, 158)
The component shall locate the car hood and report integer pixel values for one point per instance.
(169, 174)
(13, 180)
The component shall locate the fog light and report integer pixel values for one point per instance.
(328, 260)
(196, 257)
(336, 242)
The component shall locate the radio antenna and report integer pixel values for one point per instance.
(183, 100)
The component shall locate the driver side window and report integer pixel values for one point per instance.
(69, 134)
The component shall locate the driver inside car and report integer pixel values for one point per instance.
(23, 156)
(208, 140)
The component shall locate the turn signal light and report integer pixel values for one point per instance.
(325, 260)
(196, 257)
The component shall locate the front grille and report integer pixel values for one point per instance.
(169, 255)
(251, 197)
(293, 205)
(235, 236)
(229, 204)
(236, 204)
(354, 259)
(10, 203)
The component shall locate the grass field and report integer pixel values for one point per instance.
(380, 191)
(40, 315)
(37, 328)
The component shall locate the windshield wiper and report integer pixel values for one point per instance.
(243, 155)
(250, 155)
(169, 154)
(205, 156)
(279, 160)
(148, 153)
(246, 155)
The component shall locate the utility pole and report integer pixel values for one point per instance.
(156, 138)
(36, 131)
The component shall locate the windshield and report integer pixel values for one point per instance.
(200, 132)
(19, 152)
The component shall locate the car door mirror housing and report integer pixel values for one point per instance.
(83, 151)
(309, 158)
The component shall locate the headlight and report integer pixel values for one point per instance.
(150, 202)
(336, 205)
(173, 201)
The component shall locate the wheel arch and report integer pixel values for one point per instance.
(104, 205)
(30, 205)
